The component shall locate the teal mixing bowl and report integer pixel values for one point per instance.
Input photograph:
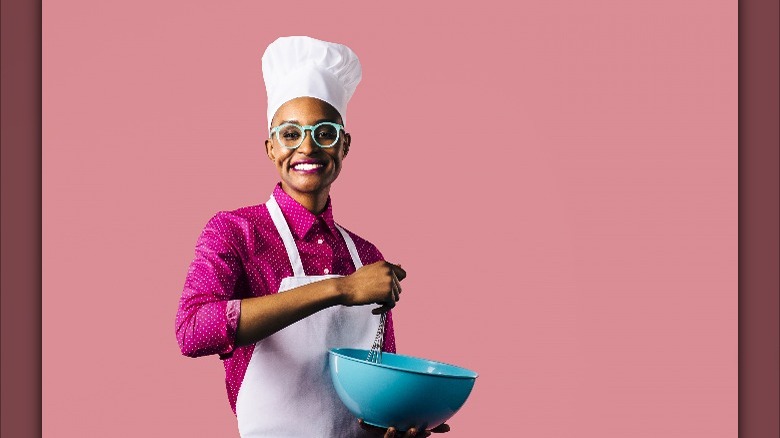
(402, 391)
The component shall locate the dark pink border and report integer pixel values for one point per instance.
(20, 221)
(759, 223)
(20, 224)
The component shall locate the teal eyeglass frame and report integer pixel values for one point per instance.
(311, 128)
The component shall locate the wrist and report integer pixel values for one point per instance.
(340, 290)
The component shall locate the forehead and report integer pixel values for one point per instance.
(305, 111)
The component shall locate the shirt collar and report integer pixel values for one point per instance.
(298, 217)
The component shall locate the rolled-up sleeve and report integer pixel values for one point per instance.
(209, 310)
(389, 341)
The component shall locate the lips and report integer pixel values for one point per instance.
(307, 166)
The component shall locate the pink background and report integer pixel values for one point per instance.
(561, 185)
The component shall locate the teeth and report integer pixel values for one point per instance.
(307, 166)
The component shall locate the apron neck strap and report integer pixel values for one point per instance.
(289, 242)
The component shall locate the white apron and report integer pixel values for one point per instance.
(287, 390)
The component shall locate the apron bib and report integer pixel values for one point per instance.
(287, 390)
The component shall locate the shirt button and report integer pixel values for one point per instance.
(326, 270)
(320, 241)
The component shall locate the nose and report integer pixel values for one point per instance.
(308, 146)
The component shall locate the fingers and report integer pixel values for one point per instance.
(396, 287)
(392, 432)
(398, 271)
(378, 431)
(381, 310)
(442, 428)
(395, 294)
(413, 432)
(378, 283)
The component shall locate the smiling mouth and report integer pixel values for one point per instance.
(307, 166)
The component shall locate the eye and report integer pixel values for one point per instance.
(289, 133)
(327, 132)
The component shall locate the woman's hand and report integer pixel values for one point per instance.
(375, 283)
(412, 432)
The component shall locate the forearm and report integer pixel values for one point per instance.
(264, 316)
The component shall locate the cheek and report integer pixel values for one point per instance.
(339, 154)
(280, 156)
(337, 158)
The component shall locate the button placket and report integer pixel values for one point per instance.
(322, 251)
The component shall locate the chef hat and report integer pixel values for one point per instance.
(298, 66)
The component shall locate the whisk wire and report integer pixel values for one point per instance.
(375, 354)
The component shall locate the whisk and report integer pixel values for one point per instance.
(375, 354)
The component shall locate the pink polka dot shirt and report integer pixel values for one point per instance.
(240, 255)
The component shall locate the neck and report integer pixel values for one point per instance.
(313, 201)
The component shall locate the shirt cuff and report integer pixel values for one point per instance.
(232, 312)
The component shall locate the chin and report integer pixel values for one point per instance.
(307, 186)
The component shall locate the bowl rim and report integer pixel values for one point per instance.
(338, 352)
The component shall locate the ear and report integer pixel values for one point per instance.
(269, 149)
(347, 142)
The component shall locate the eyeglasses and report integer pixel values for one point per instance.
(291, 135)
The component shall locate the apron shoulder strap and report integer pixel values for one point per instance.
(351, 246)
(287, 237)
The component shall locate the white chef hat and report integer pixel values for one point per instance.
(298, 66)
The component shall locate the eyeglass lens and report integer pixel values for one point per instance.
(292, 136)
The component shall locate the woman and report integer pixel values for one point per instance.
(274, 345)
